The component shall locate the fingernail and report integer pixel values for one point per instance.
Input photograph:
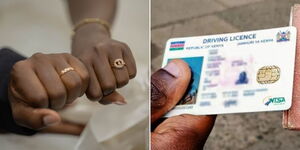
(49, 120)
(120, 102)
(173, 69)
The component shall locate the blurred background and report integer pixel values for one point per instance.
(44, 26)
(178, 18)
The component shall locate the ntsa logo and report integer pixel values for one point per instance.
(274, 100)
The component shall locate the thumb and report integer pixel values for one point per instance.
(34, 118)
(183, 132)
(168, 85)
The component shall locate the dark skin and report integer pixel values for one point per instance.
(183, 132)
(93, 45)
(37, 88)
(94, 48)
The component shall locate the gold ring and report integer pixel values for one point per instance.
(118, 63)
(64, 71)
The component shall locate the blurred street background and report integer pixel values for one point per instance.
(179, 18)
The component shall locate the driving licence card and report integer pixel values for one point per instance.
(236, 72)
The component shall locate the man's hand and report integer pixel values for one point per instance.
(93, 46)
(37, 88)
(183, 132)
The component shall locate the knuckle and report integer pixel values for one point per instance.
(103, 45)
(116, 51)
(94, 95)
(59, 56)
(122, 82)
(58, 95)
(38, 55)
(85, 76)
(116, 44)
(100, 51)
(125, 46)
(66, 55)
(85, 59)
(19, 65)
(108, 86)
(39, 100)
(110, 44)
(133, 74)
(75, 84)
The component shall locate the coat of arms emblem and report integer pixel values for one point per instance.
(283, 36)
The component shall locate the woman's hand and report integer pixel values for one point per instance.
(94, 47)
(37, 88)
